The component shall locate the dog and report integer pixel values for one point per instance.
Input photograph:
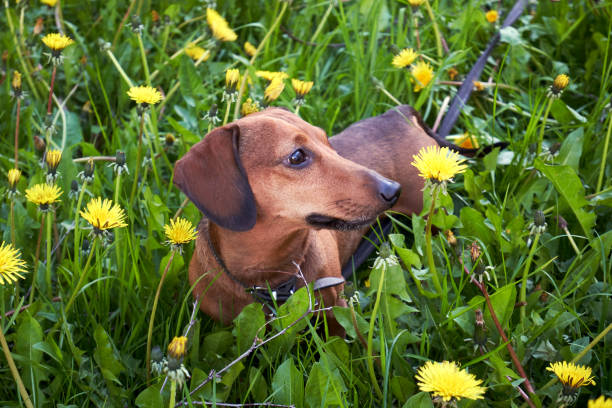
(277, 194)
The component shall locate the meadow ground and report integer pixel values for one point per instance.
(518, 278)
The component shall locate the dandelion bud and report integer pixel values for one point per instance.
(154, 16)
(13, 178)
(169, 139)
(38, 27)
(415, 3)
(450, 237)
(16, 83)
(559, 84)
(561, 222)
(232, 76)
(120, 158)
(177, 347)
(213, 110)
(480, 335)
(137, 26)
(475, 251)
(53, 158)
(539, 218)
(39, 144)
(452, 73)
(74, 186)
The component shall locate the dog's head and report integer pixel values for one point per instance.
(272, 166)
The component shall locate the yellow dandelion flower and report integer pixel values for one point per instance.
(13, 177)
(492, 16)
(572, 375)
(103, 215)
(422, 72)
(415, 3)
(249, 106)
(50, 3)
(404, 58)
(11, 264)
(467, 141)
(270, 75)
(144, 95)
(232, 77)
(16, 83)
(273, 91)
(249, 49)
(438, 164)
(601, 402)
(178, 347)
(478, 86)
(559, 84)
(448, 382)
(43, 195)
(301, 88)
(52, 158)
(57, 42)
(179, 233)
(197, 53)
(219, 27)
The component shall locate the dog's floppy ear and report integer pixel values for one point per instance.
(212, 176)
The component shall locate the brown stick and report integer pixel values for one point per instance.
(501, 332)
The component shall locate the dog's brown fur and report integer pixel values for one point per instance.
(256, 206)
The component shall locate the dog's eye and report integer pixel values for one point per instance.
(298, 157)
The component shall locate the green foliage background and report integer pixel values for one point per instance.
(98, 356)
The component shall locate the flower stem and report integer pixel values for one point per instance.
(152, 318)
(227, 111)
(172, 393)
(37, 257)
(14, 371)
(118, 66)
(541, 138)
(604, 156)
(143, 55)
(17, 133)
(138, 158)
(256, 53)
(428, 246)
(435, 27)
(117, 246)
(12, 215)
(51, 89)
(523, 294)
(77, 230)
(322, 22)
(370, 359)
(48, 269)
(79, 284)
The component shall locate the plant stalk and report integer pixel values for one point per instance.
(152, 318)
(14, 371)
(541, 138)
(523, 294)
(138, 158)
(428, 245)
(370, 359)
(48, 265)
(604, 155)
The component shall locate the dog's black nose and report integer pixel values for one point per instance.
(389, 190)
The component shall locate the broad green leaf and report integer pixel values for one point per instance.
(247, 324)
(190, 81)
(569, 186)
(150, 397)
(29, 334)
(571, 149)
(420, 400)
(218, 343)
(288, 385)
(401, 387)
(324, 387)
(474, 225)
(257, 383)
(106, 356)
(292, 310)
(343, 316)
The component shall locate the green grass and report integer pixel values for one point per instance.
(96, 357)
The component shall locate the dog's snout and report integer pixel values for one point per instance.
(389, 190)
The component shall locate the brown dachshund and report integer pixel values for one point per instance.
(276, 192)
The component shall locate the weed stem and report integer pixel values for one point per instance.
(541, 138)
(14, 371)
(370, 359)
(428, 246)
(152, 318)
(523, 294)
(604, 155)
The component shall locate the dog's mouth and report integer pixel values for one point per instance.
(327, 222)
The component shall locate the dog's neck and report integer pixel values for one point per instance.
(245, 254)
